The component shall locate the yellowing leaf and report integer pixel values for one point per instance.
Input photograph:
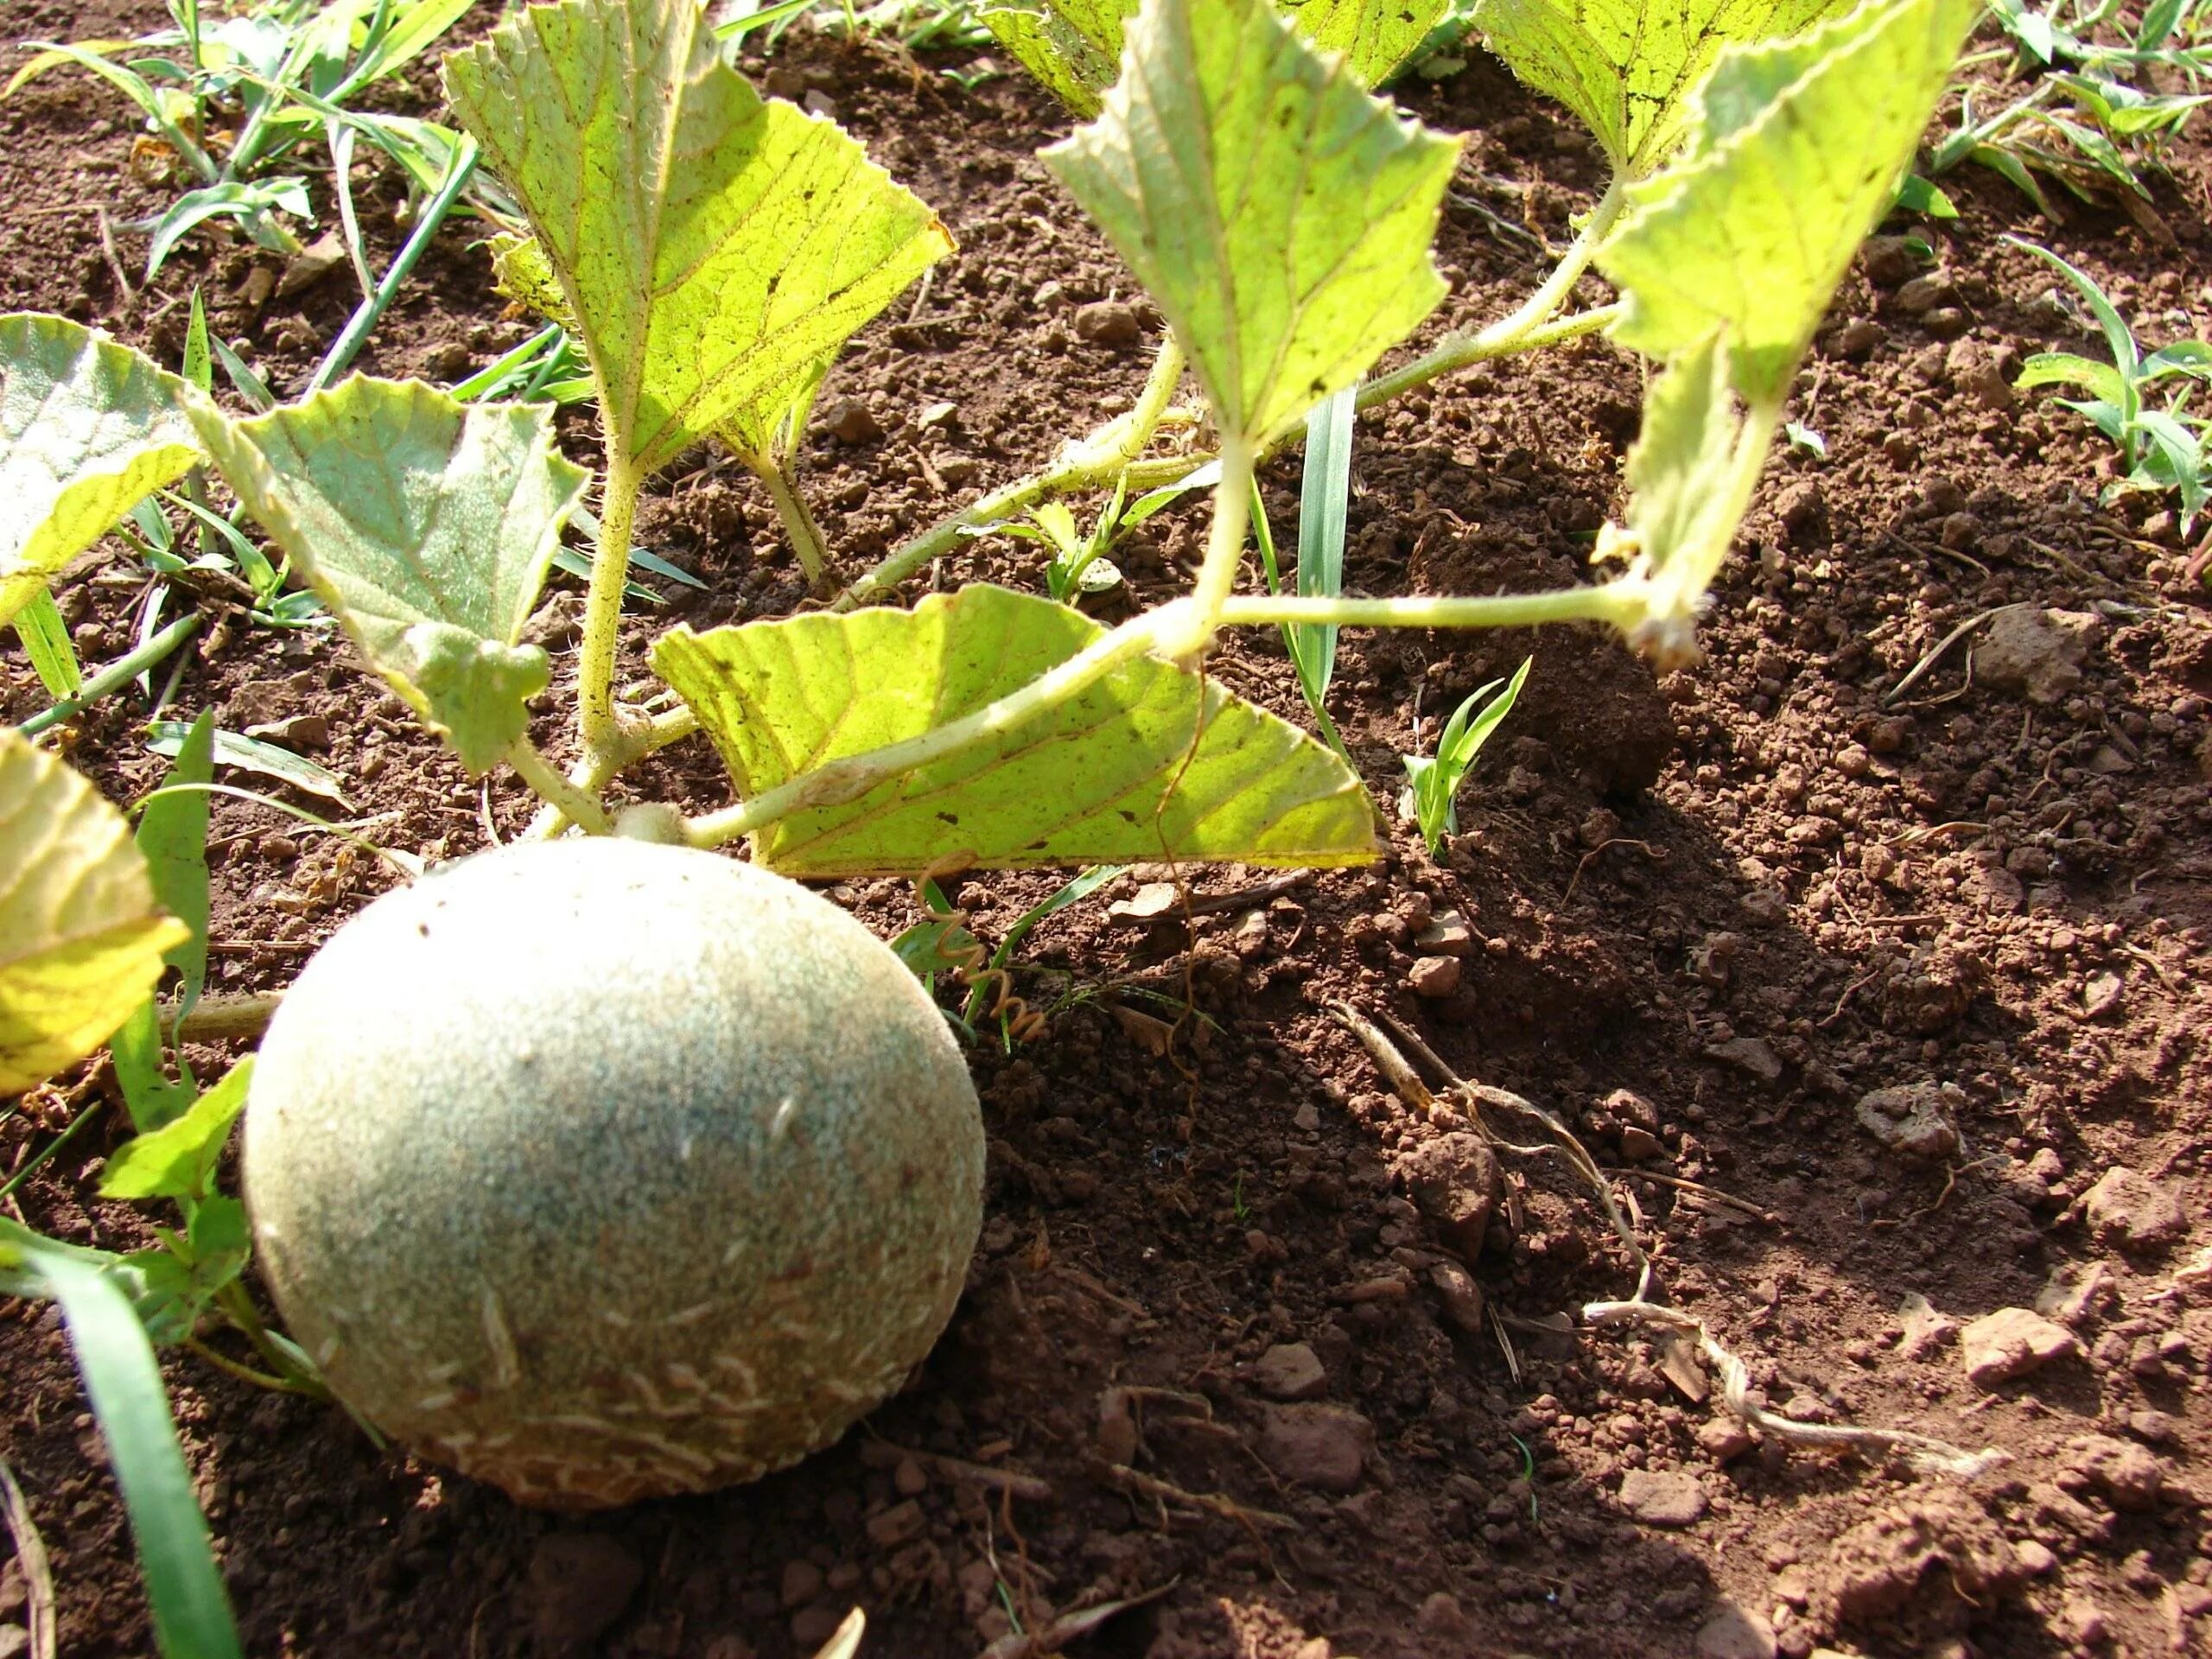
(427, 528)
(1377, 37)
(1797, 154)
(1279, 215)
(1109, 776)
(1627, 67)
(1680, 506)
(1074, 46)
(81, 937)
(712, 248)
(88, 429)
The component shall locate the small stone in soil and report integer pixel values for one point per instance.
(1924, 1329)
(1460, 1297)
(2128, 1209)
(1913, 1120)
(1434, 977)
(1290, 1370)
(580, 1582)
(1724, 1438)
(850, 421)
(2128, 1476)
(815, 1626)
(1321, 1446)
(802, 1583)
(1665, 1498)
(1750, 1055)
(1735, 1633)
(2012, 1343)
(1453, 1179)
(1108, 322)
(1447, 935)
(2036, 653)
(902, 1523)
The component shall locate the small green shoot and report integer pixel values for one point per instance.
(1433, 781)
(2161, 449)
(1325, 495)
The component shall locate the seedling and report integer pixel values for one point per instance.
(1433, 781)
(225, 100)
(707, 253)
(2161, 449)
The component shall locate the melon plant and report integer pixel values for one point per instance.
(602, 1170)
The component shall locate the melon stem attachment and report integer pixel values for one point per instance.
(579, 806)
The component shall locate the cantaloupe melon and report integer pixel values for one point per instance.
(602, 1170)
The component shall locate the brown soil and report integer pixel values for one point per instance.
(1706, 917)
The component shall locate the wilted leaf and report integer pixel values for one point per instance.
(713, 249)
(178, 1160)
(80, 935)
(1074, 46)
(1797, 151)
(426, 526)
(1678, 476)
(1279, 215)
(88, 429)
(1627, 67)
(1111, 774)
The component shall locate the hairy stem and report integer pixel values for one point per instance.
(806, 537)
(849, 778)
(1623, 603)
(594, 772)
(578, 806)
(596, 726)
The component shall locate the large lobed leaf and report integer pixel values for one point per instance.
(1627, 67)
(82, 936)
(1796, 153)
(426, 527)
(1110, 776)
(713, 249)
(1279, 215)
(88, 429)
(1074, 46)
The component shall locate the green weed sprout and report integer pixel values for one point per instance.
(2161, 448)
(1432, 780)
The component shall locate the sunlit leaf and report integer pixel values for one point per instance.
(1074, 46)
(81, 937)
(426, 526)
(1279, 215)
(1678, 478)
(1796, 153)
(88, 428)
(178, 1160)
(713, 248)
(1110, 775)
(1627, 67)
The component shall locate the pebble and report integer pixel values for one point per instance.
(1668, 1498)
(802, 1583)
(2036, 653)
(1640, 1146)
(813, 1626)
(1459, 1295)
(1750, 1055)
(580, 1582)
(2035, 1559)
(1321, 1446)
(900, 1524)
(1735, 1633)
(1913, 1120)
(1434, 977)
(1724, 1438)
(850, 421)
(1923, 1328)
(2128, 1476)
(2012, 1343)
(1290, 1370)
(1108, 322)
(1453, 1179)
(1448, 935)
(2126, 1208)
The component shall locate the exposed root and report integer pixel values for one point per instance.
(30, 1558)
(1120, 1475)
(1922, 1452)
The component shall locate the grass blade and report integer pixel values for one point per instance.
(1325, 495)
(45, 642)
(191, 1610)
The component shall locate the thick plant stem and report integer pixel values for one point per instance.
(1101, 458)
(1232, 518)
(805, 535)
(594, 772)
(1465, 350)
(849, 778)
(578, 806)
(1623, 603)
(596, 726)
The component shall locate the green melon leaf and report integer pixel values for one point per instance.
(1110, 776)
(1628, 67)
(1074, 46)
(88, 429)
(713, 248)
(426, 526)
(1796, 153)
(178, 1160)
(1279, 215)
(82, 936)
